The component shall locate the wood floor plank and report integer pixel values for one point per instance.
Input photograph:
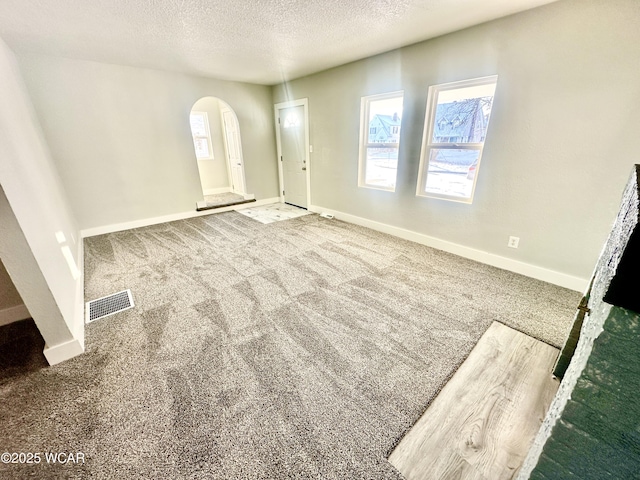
(483, 421)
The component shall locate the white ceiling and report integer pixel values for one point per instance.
(263, 41)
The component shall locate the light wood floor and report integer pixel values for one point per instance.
(483, 421)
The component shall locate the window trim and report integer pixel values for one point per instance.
(427, 145)
(205, 115)
(364, 135)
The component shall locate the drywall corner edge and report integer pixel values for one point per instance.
(78, 328)
(540, 273)
(65, 351)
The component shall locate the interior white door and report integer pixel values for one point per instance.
(294, 159)
(234, 151)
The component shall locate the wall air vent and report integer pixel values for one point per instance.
(109, 305)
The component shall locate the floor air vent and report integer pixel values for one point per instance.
(105, 306)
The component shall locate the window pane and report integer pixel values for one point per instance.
(452, 171)
(379, 140)
(384, 120)
(381, 166)
(456, 124)
(291, 120)
(198, 125)
(202, 147)
(462, 114)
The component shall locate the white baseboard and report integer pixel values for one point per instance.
(63, 351)
(118, 227)
(215, 191)
(13, 314)
(551, 276)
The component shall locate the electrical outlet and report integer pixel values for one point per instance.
(513, 242)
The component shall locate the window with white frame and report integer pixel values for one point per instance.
(201, 135)
(455, 129)
(380, 122)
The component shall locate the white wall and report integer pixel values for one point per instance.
(121, 141)
(214, 174)
(560, 146)
(34, 216)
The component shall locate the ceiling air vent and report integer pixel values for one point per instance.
(109, 305)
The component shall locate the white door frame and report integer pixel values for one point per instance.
(304, 102)
(224, 107)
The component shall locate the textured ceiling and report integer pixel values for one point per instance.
(264, 41)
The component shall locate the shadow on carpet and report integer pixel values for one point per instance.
(21, 348)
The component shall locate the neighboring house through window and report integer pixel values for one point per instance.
(456, 125)
(380, 122)
(201, 135)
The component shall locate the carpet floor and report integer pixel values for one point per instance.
(297, 349)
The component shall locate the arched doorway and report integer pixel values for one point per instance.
(218, 150)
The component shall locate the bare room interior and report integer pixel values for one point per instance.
(319, 240)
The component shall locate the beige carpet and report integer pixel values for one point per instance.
(298, 349)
